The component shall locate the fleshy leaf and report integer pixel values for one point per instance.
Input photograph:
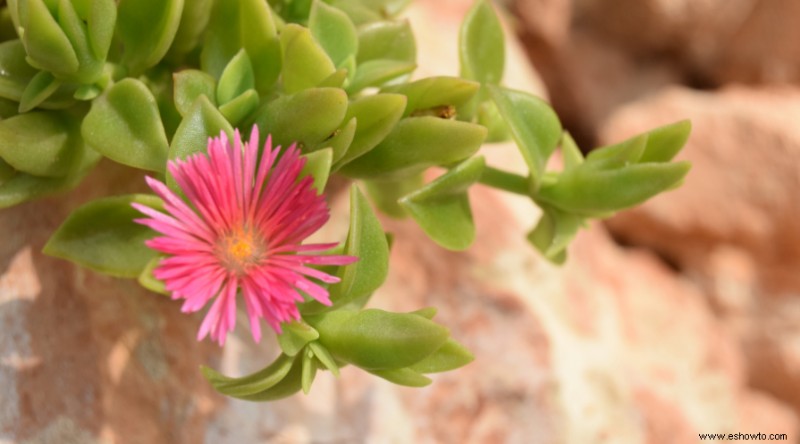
(42, 86)
(415, 144)
(481, 45)
(191, 84)
(587, 191)
(202, 121)
(322, 354)
(146, 29)
(238, 109)
(665, 142)
(392, 40)
(41, 143)
(403, 376)
(23, 187)
(194, 19)
(377, 73)
(617, 155)
(237, 78)
(534, 127)
(334, 31)
(442, 207)
(295, 336)
(15, 73)
(308, 117)
(553, 233)
(102, 18)
(376, 115)
(257, 382)
(309, 371)
(375, 339)
(450, 356)
(124, 125)
(387, 193)
(244, 24)
(289, 385)
(305, 63)
(46, 44)
(148, 281)
(101, 235)
(341, 140)
(318, 164)
(570, 152)
(433, 92)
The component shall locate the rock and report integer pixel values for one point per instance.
(732, 225)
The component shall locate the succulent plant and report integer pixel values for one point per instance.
(146, 83)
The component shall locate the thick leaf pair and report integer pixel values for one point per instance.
(610, 179)
(67, 40)
(41, 153)
(398, 347)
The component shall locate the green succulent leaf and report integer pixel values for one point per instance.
(289, 385)
(375, 339)
(335, 80)
(533, 125)
(442, 207)
(334, 31)
(194, 19)
(101, 20)
(434, 92)
(403, 376)
(46, 44)
(481, 45)
(23, 187)
(237, 78)
(202, 121)
(376, 115)
(295, 336)
(617, 155)
(189, 85)
(341, 140)
(244, 24)
(255, 383)
(15, 72)
(554, 232)
(124, 125)
(238, 109)
(450, 356)
(148, 281)
(318, 165)
(74, 27)
(42, 86)
(392, 40)
(324, 357)
(359, 13)
(146, 29)
(489, 116)
(570, 152)
(387, 193)
(6, 172)
(101, 235)
(664, 143)
(41, 143)
(307, 117)
(309, 371)
(415, 144)
(305, 63)
(591, 192)
(377, 73)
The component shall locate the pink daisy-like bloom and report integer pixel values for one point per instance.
(241, 232)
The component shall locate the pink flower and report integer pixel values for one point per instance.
(241, 231)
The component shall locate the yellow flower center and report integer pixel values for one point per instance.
(240, 250)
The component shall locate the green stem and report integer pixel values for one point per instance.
(503, 180)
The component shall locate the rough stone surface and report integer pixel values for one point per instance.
(732, 227)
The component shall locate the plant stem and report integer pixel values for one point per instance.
(503, 180)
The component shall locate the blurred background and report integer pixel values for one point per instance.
(677, 318)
